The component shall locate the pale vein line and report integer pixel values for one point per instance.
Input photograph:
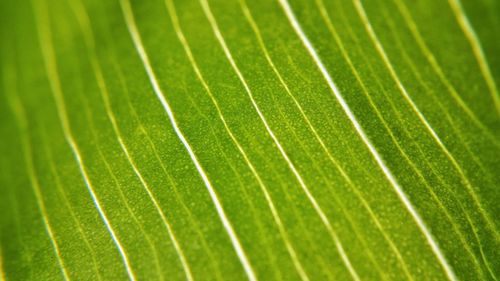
(167, 225)
(262, 45)
(322, 8)
(392, 71)
(418, 36)
(475, 43)
(3, 277)
(291, 17)
(156, 152)
(45, 40)
(319, 260)
(260, 229)
(300, 221)
(286, 193)
(372, 214)
(281, 185)
(461, 236)
(474, 230)
(58, 184)
(326, 18)
(322, 215)
(381, 51)
(260, 40)
(90, 43)
(13, 200)
(130, 21)
(351, 184)
(276, 217)
(337, 201)
(123, 197)
(437, 68)
(253, 211)
(20, 113)
(427, 87)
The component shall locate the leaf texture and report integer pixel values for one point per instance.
(258, 140)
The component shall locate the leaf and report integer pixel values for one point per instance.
(260, 140)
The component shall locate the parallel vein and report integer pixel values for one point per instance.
(407, 203)
(475, 44)
(317, 208)
(130, 21)
(20, 113)
(50, 63)
(276, 217)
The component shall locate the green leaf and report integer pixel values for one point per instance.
(259, 140)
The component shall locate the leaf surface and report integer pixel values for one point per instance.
(259, 140)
